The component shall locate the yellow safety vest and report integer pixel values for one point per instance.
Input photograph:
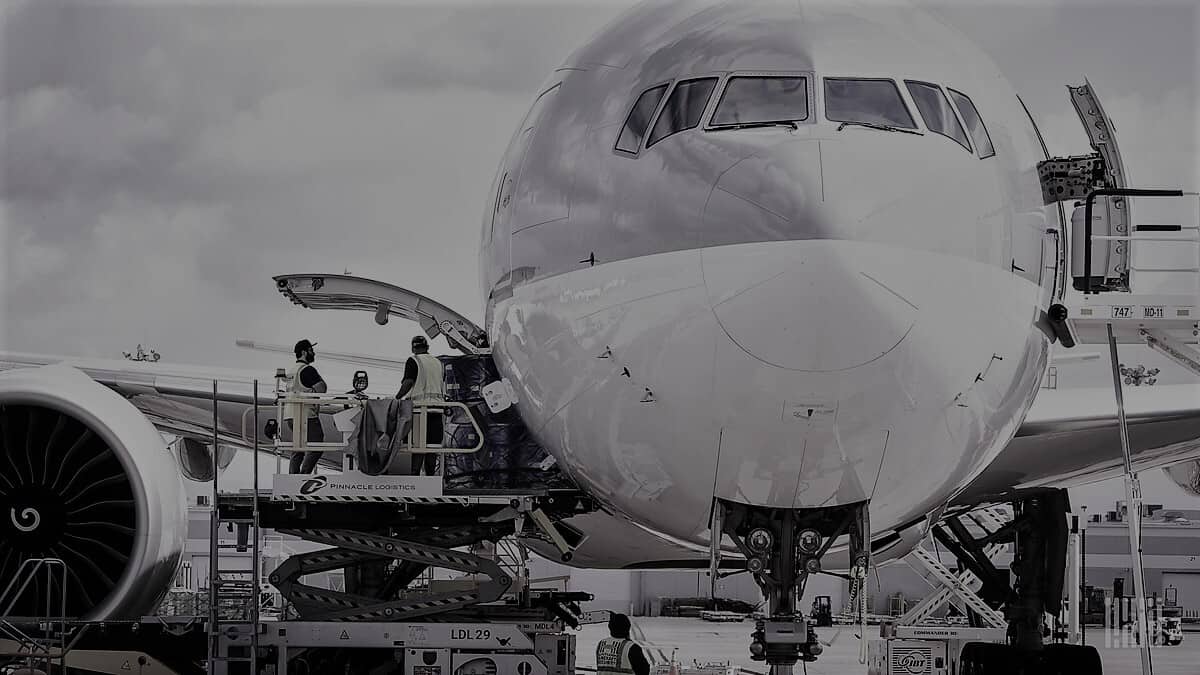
(297, 387)
(612, 657)
(429, 386)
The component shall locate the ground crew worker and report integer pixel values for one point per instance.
(304, 379)
(424, 386)
(619, 655)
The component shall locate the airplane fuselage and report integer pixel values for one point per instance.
(795, 315)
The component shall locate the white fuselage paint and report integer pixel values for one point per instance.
(889, 357)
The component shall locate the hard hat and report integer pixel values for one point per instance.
(303, 346)
(420, 341)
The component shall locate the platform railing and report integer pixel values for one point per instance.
(1146, 232)
(43, 650)
(297, 406)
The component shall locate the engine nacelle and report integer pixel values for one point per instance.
(85, 477)
(1186, 475)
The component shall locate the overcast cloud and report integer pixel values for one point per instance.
(160, 162)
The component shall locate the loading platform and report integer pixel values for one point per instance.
(396, 539)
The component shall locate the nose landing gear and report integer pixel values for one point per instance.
(782, 548)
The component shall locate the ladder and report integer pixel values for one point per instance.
(233, 592)
(51, 645)
(965, 582)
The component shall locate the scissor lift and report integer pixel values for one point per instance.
(384, 533)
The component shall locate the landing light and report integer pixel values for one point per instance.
(760, 539)
(810, 541)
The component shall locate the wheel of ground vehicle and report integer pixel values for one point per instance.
(985, 658)
(1071, 660)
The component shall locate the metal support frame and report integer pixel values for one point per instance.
(965, 581)
(1075, 580)
(219, 586)
(1176, 350)
(1133, 495)
(952, 584)
(54, 643)
(357, 548)
(975, 558)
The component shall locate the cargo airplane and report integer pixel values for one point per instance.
(768, 280)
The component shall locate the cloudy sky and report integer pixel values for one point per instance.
(159, 162)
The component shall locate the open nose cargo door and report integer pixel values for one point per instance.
(510, 457)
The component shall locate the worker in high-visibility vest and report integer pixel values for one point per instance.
(303, 378)
(619, 655)
(423, 384)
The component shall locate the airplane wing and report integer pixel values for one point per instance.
(177, 399)
(1065, 442)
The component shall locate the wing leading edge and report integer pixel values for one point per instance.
(1064, 442)
(176, 399)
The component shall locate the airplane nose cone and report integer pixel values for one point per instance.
(806, 305)
(776, 193)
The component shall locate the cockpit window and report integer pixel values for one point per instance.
(639, 119)
(936, 111)
(970, 116)
(683, 109)
(759, 99)
(869, 101)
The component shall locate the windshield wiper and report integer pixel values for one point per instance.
(751, 125)
(881, 127)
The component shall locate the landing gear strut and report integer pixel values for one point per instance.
(782, 548)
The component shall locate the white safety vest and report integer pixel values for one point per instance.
(429, 386)
(297, 387)
(612, 657)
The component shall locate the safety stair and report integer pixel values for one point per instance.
(953, 584)
(961, 588)
(47, 640)
(234, 592)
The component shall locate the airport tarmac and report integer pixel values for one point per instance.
(703, 641)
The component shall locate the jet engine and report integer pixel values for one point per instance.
(85, 477)
(1186, 475)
